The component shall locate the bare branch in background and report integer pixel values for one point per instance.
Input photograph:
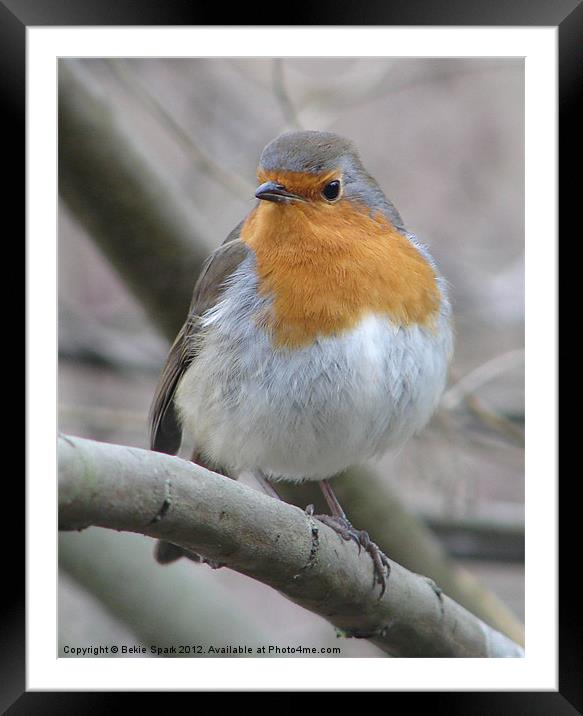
(358, 88)
(281, 92)
(85, 339)
(494, 420)
(175, 606)
(463, 391)
(363, 82)
(231, 181)
(99, 416)
(141, 491)
(130, 212)
(481, 375)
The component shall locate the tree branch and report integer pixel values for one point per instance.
(282, 95)
(160, 496)
(128, 209)
(160, 607)
(235, 184)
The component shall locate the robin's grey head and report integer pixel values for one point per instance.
(319, 166)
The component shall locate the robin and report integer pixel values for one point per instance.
(319, 333)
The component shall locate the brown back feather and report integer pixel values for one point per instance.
(165, 429)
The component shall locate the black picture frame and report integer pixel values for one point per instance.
(567, 16)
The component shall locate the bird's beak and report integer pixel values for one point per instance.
(272, 191)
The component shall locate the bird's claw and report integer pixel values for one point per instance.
(382, 565)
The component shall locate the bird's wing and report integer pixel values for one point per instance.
(165, 430)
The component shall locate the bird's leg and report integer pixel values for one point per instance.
(340, 524)
(265, 485)
(332, 500)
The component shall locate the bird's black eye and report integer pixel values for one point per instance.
(332, 190)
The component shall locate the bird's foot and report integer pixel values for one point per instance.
(340, 525)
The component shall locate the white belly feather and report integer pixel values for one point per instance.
(307, 413)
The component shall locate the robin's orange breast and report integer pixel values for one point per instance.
(328, 266)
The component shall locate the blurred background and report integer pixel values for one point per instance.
(157, 162)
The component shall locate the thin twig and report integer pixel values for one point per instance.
(234, 183)
(126, 206)
(494, 420)
(481, 375)
(463, 391)
(281, 92)
(101, 416)
(351, 93)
